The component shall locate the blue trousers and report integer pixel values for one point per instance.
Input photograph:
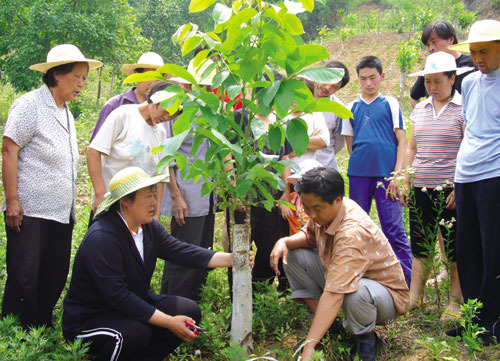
(478, 246)
(390, 213)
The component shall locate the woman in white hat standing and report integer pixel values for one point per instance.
(149, 61)
(436, 134)
(109, 302)
(40, 157)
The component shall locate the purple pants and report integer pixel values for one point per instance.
(390, 214)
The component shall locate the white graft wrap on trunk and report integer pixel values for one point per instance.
(241, 324)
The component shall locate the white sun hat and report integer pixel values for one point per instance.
(64, 54)
(127, 181)
(441, 62)
(150, 60)
(305, 166)
(480, 32)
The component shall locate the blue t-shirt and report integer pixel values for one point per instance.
(479, 154)
(374, 145)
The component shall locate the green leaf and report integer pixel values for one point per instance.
(184, 121)
(275, 137)
(269, 93)
(296, 133)
(308, 5)
(183, 31)
(242, 187)
(284, 99)
(163, 163)
(172, 144)
(233, 91)
(293, 24)
(221, 13)
(207, 188)
(201, 56)
(190, 44)
(305, 55)
(322, 75)
(178, 71)
(209, 99)
(219, 78)
(195, 6)
(327, 105)
(147, 76)
(258, 128)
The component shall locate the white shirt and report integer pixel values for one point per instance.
(126, 140)
(326, 156)
(48, 156)
(138, 237)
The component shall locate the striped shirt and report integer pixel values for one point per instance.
(438, 138)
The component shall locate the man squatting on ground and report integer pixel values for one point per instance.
(341, 259)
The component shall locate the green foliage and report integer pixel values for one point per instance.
(244, 41)
(36, 344)
(103, 30)
(407, 55)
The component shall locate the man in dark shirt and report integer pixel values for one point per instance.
(438, 36)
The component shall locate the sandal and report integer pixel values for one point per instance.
(452, 313)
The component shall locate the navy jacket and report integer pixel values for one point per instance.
(110, 275)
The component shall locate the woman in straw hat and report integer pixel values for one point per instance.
(436, 134)
(127, 139)
(149, 61)
(109, 302)
(40, 157)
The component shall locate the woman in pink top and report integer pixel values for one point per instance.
(436, 134)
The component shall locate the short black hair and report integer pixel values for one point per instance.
(339, 65)
(369, 61)
(325, 182)
(442, 28)
(161, 85)
(49, 78)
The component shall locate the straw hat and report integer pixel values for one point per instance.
(197, 73)
(149, 60)
(127, 181)
(481, 31)
(305, 166)
(439, 63)
(64, 54)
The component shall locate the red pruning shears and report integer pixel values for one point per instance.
(196, 330)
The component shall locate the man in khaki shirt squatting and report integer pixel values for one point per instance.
(341, 259)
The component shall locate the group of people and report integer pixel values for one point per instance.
(332, 253)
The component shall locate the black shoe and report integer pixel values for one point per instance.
(367, 346)
(455, 332)
(487, 338)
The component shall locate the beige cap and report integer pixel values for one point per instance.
(150, 60)
(64, 54)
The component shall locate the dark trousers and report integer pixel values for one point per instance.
(187, 281)
(266, 228)
(37, 266)
(427, 209)
(113, 337)
(478, 246)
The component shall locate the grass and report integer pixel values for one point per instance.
(278, 323)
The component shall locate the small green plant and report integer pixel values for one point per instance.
(471, 329)
(436, 350)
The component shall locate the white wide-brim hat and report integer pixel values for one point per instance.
(127, 181)
(480, 32)
(150, 60)
(64, 54)
(441, 62)
(305, 166)
(197, 73)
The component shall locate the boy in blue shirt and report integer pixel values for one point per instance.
(376, 140)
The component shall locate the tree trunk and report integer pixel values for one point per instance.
(99, 85)
(241, 323)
